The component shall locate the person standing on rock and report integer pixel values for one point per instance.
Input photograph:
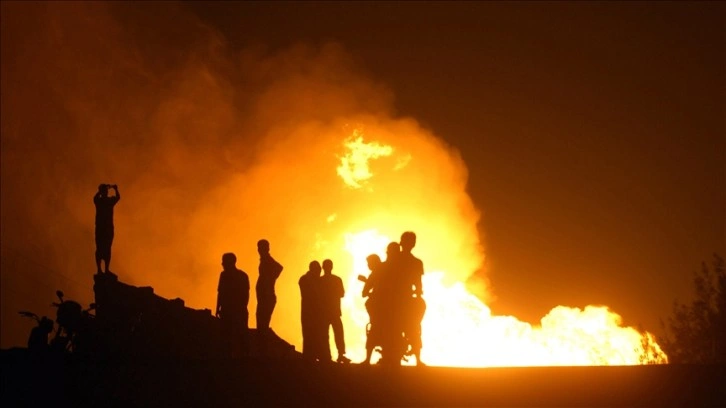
(104, 224)
(269, 270)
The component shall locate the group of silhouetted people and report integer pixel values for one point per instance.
(319, 310)
(395, 304)
(233, 296)
(394, 290)
(234, 284)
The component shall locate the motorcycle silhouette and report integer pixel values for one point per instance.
(74, 332)
(38, 339)
(386, 332)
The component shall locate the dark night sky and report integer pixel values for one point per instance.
(593, 133)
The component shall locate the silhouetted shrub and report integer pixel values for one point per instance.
(696, 333)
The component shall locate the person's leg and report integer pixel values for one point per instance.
(104, 238)
(99, 244)
(339, 335)
(271, 309)
(258, 313)
(108, 252)
(245, 333)
(369, 345)
(420, 312)
(98, 262)
(261, 315)
(325, 354)
(265, 306)
(305, 338)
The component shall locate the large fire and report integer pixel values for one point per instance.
(215, 148)
(458, 328)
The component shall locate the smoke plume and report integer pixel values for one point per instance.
(212, 149)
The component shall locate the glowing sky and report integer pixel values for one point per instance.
(585, 142)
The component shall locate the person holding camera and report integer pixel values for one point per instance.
(104, 224)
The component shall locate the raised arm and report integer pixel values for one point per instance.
(115, 189)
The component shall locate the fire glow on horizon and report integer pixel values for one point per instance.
(458, 328)
(216, 147)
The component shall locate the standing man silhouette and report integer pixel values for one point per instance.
(270, 270)
(371, 291)
(233, 296)
(310, 318)
(331, 292)
(414, 306)
(104, 224)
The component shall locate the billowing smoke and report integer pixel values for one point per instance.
(212, 148)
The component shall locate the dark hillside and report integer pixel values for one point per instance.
(142, 350)
(226, 383)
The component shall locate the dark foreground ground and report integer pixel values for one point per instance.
(161, 383)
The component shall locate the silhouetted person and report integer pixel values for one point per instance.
(270, 270)
(389, 283)
(233, 296)
(411, 267)
(371, 291)
(411, 270)
(390, 297)
(332, 291)
(38, 340)
(104, 224)
(310, 315)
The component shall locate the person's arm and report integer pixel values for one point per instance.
(276, 268)
(118, 195)
(341, 288)
(246, 290)
(417, 281)
(219, 294)
(368, 285)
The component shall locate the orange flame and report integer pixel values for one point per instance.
(458, 328)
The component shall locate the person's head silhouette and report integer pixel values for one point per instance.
(374, 261)
(103, 189)
(392, 250)
(315, 267)
(263, 247)
(229, 261)
(408, 241)
(327, 266)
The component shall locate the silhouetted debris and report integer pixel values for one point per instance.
(134, 321)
